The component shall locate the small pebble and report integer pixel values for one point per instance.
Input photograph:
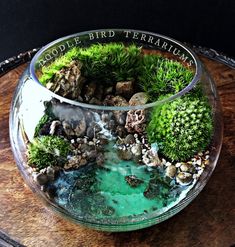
(171, 171)
(184, 178)
(178, 164)
(41, 178)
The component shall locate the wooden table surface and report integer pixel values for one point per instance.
(208, 221)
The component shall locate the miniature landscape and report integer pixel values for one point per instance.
(114, 163)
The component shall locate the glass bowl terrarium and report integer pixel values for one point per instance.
(116, 129)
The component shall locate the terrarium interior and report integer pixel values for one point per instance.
(119, 130)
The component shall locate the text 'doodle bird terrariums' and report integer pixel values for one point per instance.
(116, 129)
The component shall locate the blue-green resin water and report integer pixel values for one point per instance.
(103, 192)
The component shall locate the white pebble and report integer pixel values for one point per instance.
(178, 164)
(168, 163)
(199, 162)
(207, 157)
(136, 135)
(85, 140)
(163, 162)
(72, 141)
(90, 143)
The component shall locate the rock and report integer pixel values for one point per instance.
(72, 118)
(186, 167)
(103, 140)
(120, 117)
(83, 162)
(45, 130)
(99, 92)
(100, 159)
(112, 100)
(124, 154)
(85, 148)
(73, 163)
(184, 178)
(68, 81)
(108, 90)
(54, 126)
(125, 88)
(137, 150)
(171, 171)
(89, 91)
(135, 121)
(92, 130)
(50, 191)
(51, 173)
(92, 155)
(94, 101)
(111, 125)
(105, 117)
(89, 116)
(129, 139)
(140, 98)
(41, 178)
(120, 131)
(133, 181)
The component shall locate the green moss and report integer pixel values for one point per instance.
(105, 62)
(49, 71)
(48, 150)
(45, 119)
(112, 62)
(182, 127)
(160, 76)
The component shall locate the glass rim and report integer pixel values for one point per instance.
(191, 84)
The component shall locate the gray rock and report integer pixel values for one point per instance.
(85, 148)
(125, 88)
(72, 118)
(105, 117)
(171, 171)
(140, 98)
(120, 117)
(41, 178)
(89, 116)
(111, 125)
(51, 173)
(92, 155)
(93, 130)
(129, 139)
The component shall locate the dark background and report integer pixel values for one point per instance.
(26, 24)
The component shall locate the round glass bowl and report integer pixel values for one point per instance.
(116, 129)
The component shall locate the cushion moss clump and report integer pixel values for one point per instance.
(48, 150)
(160, 76)
(182, 127)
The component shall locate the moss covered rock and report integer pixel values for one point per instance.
(48, 150)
